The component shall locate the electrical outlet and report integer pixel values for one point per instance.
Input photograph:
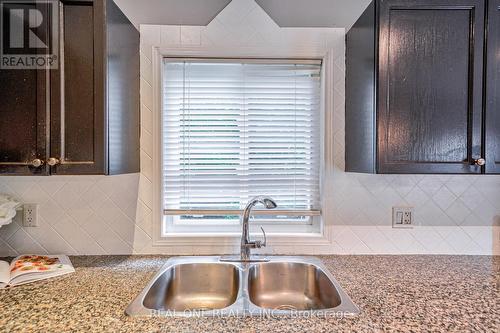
(402, 217)
(30, 216)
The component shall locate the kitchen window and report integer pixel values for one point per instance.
(235, 129)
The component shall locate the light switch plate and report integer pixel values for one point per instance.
(403, 217)
(30, 215)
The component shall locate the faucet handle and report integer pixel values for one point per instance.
(259, 244)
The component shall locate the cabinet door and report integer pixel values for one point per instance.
(23, 136)
(493, 90)
(77, 105)
(430, 86)
(23, 130)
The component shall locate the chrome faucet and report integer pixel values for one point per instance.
(246, 243)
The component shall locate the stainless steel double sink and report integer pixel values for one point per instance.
(205, 286)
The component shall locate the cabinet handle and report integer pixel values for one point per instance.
(480, 161)
(52, 161)
(36, 163)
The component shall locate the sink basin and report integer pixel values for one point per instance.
(194, 286)
(291, 285)
(205, 286)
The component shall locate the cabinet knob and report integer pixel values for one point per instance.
(480, 161)
(36, 162)
(52, 161)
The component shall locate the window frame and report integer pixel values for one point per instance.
(311, 242)
(171, 220)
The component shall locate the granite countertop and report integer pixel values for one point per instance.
(394, 293)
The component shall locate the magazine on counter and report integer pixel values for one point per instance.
(31, 268)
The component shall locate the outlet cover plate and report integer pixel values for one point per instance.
(30, 215)
(403, 217)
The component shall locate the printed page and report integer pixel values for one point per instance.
(4, 273)
(30, 268)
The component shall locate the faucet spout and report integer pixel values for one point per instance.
(246, 243)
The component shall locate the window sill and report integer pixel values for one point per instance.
(203, 243)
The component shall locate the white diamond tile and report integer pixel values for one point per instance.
(146, 224)
(459, 184)
(6, 231)
(127, 203)
(34, 194)
(472, 249)
(472, 198)
(458, 211)
(150, 35)
(141, 239)
(430, 184)
(235, 12)
(94, 197)
(52, 184)
(146, 71)
(81, 184)
(147, 142)
(348, 240)
(445, 231)
(18, 188)
(6, 250)
(146, 166)
(50, 240)
(375, 184)
(106, 237)
(80, 213)
(458, 240)
(147, 92)
(416, 197)
(50, 211)
(190, 35)
(124, 227)
(77, 237)
(490, 189)
(472, 220)
(401, 239)
(145, 190)
(66, 196)
(170, 35)
(486, 213)
(214, 32)
(146, 119)
(403, 184)
(430, 240)
(22, 242)
(485, 237)
(444, 198)
(390, 197)
(108, 211)
(374, 239)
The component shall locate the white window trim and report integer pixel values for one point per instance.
(284, 243)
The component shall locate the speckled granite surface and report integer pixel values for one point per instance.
(395, 293)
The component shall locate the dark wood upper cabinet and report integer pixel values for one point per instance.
(86, 119)
(23, 122)
(414, 87)
(492, 120)
(23, 116)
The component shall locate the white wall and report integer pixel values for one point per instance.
(112, 215)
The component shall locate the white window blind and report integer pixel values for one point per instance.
(236, 129)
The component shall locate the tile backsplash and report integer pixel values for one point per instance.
(78, 215)
(112, 214)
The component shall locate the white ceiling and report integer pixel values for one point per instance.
(286, 13)
(314, 13)
(171, 12)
